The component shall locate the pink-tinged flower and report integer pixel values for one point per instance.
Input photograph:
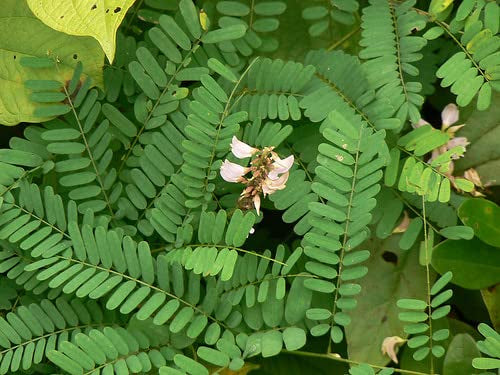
(232, 172)
(270, 186)
(457, 141)
(390, 347)
(256, 203)
(419, 124)
(280, 166)
(449, 115)
(240, 149)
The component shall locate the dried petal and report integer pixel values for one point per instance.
(472, 175)
(390, 347)
(240, 149)
(403, 225)
(232, 172)
(449, 115)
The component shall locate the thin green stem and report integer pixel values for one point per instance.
(428, 280)
(89, 151)
(344, 38)
(336, 357)
(143, 283)
(346, 230)
(156, 104)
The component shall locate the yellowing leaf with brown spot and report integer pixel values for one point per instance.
(24, 35)
(97, 18)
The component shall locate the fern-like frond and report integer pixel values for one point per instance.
(273, 88)
(258, 18)
(323, 14)
(422, 314)
(112, 349)
(389, 50)
(340, 84)
(219, 240)
(36, 220)
(210, 129)
(348, 175)
(417, 176)
(474, 70)
(29, 333)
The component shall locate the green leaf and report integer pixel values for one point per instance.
(35, 39)
(457, 232)
(461, 351)
(491, 298)
(73, 19)
(474, 264)
(379, 293)
(484, 216)
(294, 338)
(272, 342)
(486, 363)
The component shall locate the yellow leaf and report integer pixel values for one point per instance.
(97, 18)
(438, 6)
(24, 35)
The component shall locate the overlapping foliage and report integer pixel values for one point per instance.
(122, 250)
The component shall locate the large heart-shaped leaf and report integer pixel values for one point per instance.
(461, 352)
(475, 264)
(393, 274)
(21, 35)
(482, 129)
(98, 18)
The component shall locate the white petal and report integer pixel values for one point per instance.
(449, 115)
(270, 186)
(256, 203)
(232, 172)
(280, 166)
(240, 149)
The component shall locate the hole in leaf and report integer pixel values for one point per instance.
(107, 10)
(117, 9)
(94, 7)
(390, 257)
(62, 16)
(75, 56)
(15, 57)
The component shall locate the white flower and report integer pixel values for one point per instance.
(390, 345)
(280, 166)
(270, 186)
(449, 115)
(240, 149)
(232, 172)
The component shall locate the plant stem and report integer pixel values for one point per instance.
(335, 357)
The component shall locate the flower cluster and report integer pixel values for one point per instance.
(450, 116)
(266, 174)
